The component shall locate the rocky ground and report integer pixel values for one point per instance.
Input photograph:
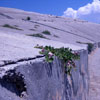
(94, 70)
(16, 44)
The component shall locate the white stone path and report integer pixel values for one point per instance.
(94, 71)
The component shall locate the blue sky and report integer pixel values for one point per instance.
(83, 9)
(55, 7)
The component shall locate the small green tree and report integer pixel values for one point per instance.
(28, 18)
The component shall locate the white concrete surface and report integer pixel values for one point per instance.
(18, 46)
(94, 70)
(15, 44)
(68, 30)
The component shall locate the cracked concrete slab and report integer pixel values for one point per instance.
(19, 46)
(17, 49)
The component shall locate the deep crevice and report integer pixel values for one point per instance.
(10, 62)
(6, 16)
(13, 82)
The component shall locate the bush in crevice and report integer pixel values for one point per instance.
(38, 35)
(46, 32)
(28, 18)
(65, 54)
(90, 46)
(12, 27)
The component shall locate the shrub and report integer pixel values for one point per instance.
(90, 46)
(64, 54)
(28, 18)
(7, 25)
(12, 27)
(46, 32)
(38, 35)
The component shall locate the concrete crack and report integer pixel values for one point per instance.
(61, 30)
(10, 62)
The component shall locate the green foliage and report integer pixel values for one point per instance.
(46, 32)
(38, 35)
(7, 25)
(12, 27)
(64, 54)
(90, 46)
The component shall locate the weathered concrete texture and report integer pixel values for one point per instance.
(62, 29)
(94, 70)
(44, 81)
(47, 81)
(95, 46)
(80, 78)
(14, 47)
(98, 44)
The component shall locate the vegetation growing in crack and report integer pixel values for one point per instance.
(12, 27)
(46, 32)
(38, 35)
(65, 54)
(56, 36)
(28, 18)
(90, 46)
(32, 29)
